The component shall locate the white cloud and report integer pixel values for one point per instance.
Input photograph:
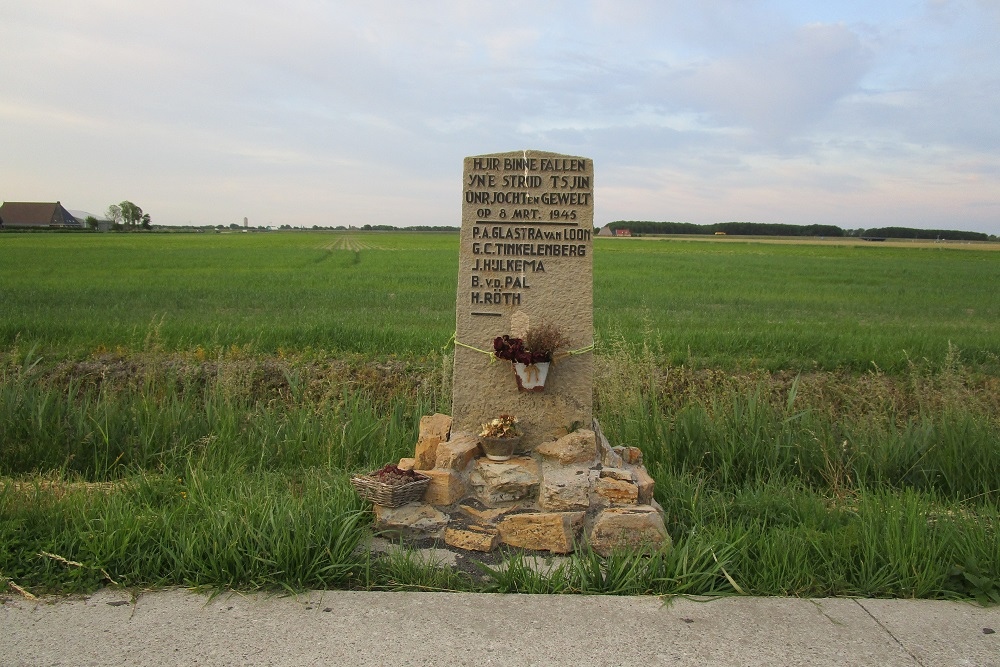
(703, 111)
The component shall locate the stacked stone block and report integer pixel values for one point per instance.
(564, 492)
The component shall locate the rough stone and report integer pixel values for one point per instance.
(645, 483)
(543, 531)
(446, 487)
(638, 528)
(616, 491)
(618, 473)
(434, 429)
(487, 515)
(659, 508)
(564, 487)
(630, 455)
(457, 452)
(576, 447)
(406, 464)
(472, 538)
(551, 283)
(415, 520)
(505, 481)
(609, 457)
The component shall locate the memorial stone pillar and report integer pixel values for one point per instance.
(525, 259)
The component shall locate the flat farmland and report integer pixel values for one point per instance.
(821, 418)
(732, 304)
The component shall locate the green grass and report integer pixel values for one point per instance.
(188, 409)
(221, 529)
(773, 484)
(809, 306)
(265, 292)
(720, 305)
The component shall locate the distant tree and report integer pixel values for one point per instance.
(114, 214)
(91, 222)
(131, 214)
(927, 234)
(128, 215)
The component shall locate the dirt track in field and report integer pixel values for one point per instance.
(350, 243)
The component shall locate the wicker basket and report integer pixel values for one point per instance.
(390, 495)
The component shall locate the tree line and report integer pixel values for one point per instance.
(124, 215)
(775, 229)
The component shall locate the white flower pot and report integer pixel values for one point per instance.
(531, 377)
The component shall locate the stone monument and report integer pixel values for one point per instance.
(525, 260)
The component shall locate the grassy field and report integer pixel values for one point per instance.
(800, 306)
(710, 304)
(187, 409)
(74, 293)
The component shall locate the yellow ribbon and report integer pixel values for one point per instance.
(572, 353)
(458, 342)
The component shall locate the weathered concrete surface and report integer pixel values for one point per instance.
(941, 633)
(361, 629)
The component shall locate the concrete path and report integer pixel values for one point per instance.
(176, 627)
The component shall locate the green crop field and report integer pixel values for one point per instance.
(186, 409)
(728, 305)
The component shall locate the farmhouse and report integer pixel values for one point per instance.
(19, 214)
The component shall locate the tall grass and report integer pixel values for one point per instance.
(929, 432)
(239, 529)
(161, 469)
(101, 420)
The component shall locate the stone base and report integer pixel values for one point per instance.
(567, 492)
(472, 538)
(413, 521)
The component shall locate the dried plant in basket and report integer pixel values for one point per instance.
(391, 486)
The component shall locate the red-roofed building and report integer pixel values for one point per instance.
(23, 214)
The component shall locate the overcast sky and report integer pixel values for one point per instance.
(854, 113)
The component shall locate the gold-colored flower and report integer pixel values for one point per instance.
(504, 426)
